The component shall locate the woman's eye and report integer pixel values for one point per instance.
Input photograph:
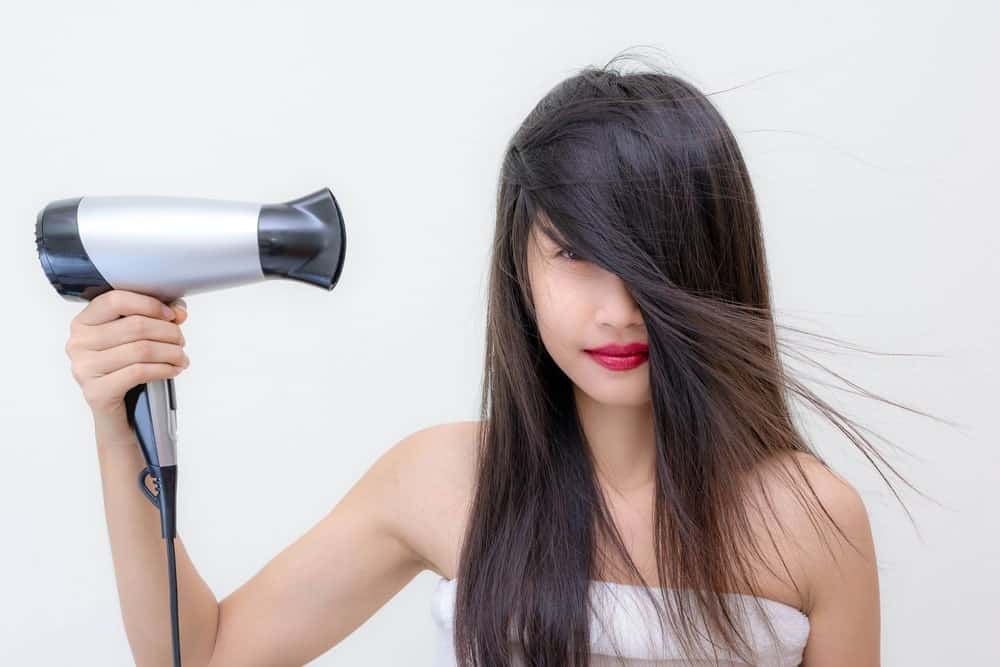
(567, 254)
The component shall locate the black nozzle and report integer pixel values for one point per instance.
(303, 239)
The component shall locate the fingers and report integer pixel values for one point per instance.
(180, 311)
(117, 303)
(122, 339)
(126, 330)
(105, 393)
(96, 364)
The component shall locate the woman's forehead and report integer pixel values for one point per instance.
(548, 230)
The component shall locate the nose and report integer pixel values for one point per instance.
(616, 307)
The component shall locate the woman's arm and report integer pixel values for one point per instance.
(333, 578)
(307, 598)
(139, 554)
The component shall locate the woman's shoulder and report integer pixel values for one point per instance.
(794, 474)
(436, 477)
(441, 451)
(791, 484)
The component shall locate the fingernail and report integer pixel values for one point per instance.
(182, 303)
(168, 311)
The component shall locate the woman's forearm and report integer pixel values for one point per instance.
(139, 554)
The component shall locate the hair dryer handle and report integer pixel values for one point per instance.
(152, 412)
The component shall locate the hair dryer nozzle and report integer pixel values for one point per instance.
(303, 239)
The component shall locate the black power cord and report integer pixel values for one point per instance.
(165, 480)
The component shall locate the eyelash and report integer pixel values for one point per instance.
(562, 253)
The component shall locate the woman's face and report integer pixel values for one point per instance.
(581, 306)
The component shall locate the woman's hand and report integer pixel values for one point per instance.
(122, 339)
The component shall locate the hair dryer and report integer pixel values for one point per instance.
(169, 247)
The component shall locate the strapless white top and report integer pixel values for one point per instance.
(624, 617)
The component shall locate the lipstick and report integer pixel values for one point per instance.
(620, 357)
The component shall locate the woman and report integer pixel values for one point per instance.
(635, 488)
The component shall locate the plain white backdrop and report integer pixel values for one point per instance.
(870, 129)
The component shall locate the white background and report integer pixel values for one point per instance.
(871, 132)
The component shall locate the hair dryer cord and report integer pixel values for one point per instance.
(171, 563)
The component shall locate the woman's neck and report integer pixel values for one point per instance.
(622, 442)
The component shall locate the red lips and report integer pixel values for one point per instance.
(620, 357)
(614, 350)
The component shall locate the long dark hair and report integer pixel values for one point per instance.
(638, 173)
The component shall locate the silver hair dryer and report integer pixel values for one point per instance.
(169, 247)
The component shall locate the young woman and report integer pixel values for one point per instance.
(635, 488)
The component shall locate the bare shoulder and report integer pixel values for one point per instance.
(793, 483)
(437, 469)
(839, 502)
(454, 442)
(833, 552)
(441, 454)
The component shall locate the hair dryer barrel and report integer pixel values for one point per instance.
(170, 247)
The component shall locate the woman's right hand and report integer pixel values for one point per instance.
(122, 339)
